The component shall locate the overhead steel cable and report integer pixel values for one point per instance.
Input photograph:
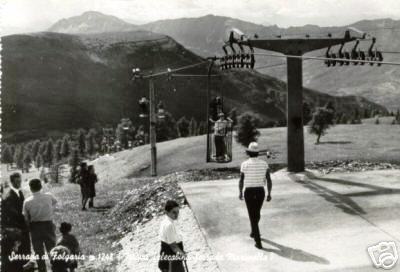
(270, 66)
(324, 58)
(175, 70)
(188, 75)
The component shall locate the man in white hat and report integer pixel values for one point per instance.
(253, 173)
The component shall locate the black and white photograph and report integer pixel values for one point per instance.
(200, 135)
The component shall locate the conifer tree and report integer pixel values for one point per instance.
(74, 162)
(6, 155)
(183, 127)
(38, 161)
(247, 129)
(65, 147)
(193, 127)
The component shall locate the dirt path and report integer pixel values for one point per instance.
(140, 248)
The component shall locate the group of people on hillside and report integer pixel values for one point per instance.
(87, 180)
(254, 175)
(29, 224)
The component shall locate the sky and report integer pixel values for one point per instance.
(37, 15)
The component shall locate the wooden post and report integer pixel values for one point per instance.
(295, 47)
(153, 122)
(208, 109)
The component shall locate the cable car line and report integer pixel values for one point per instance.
(169, 71)
(325, 58)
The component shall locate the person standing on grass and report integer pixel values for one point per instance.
(13, 219)
(84, 183)
(38, 210)
(253, 173)
(92, 180)
(172, 254)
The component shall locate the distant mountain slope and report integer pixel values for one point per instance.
(204, 36)
(59, 82)
(91, 22)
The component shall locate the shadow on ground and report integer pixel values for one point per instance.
(293, 254)
(345, 201)
(336, 142)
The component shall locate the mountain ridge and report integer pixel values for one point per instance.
(55, 81)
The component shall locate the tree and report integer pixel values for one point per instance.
(27, 161)
(12, 149)
(42, 148)
(193, 127)
(35, 148)
(48, 156)
(81, 142)
(65, 147)
(38, 161)
(356, 117)
(166, 128)
(124, 132)
(19, 157)
(74, 162)
(90, 144)
(183, 127)
(397, 116)
(57, 151)
(343, 119)
(202, 128)
(367, 113)
(247, 129)
(6, 155)
(321, 120)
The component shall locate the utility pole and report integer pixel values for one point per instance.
(295, 48)
(208, 105)
(153, 123)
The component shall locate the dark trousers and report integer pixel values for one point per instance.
(24, 249)
(166, 265)
(254, 198)
(219, 146)
(43, 236)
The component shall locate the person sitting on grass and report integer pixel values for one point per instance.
(69, 241)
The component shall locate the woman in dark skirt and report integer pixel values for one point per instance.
(92, 179)
(83, 182)
(172, 255)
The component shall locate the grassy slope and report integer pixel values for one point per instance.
(96, 227)
(360, 142)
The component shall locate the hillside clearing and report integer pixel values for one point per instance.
(374, 143)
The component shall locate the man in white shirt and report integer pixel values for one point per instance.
(253, 173)
(38, 210)
(221, 127)
(171, 253)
